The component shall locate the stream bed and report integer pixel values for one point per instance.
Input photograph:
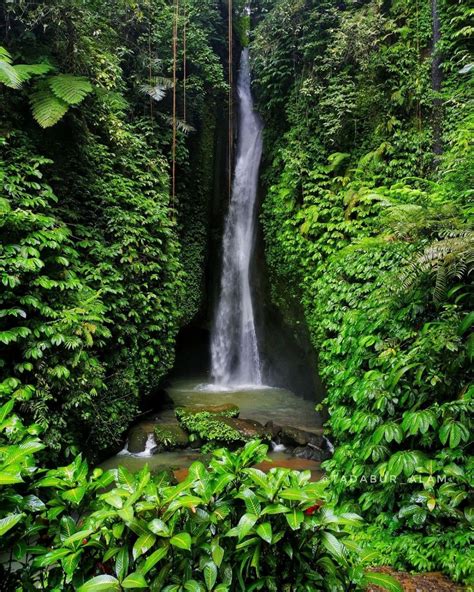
(259, 404)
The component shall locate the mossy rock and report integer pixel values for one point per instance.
(209, 427)
(225, 410)
(137, 438)
(248, 429)
(170, 435)
(220, 429)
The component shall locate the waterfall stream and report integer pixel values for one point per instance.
(234, 344)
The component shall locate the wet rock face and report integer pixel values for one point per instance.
(247, 428)
(296, 437)
(311, 452)
(137, 438)
(306, 445)
(290, 436)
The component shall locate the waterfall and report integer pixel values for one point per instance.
(234, 345)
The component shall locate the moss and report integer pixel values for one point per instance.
(218, 424)
(171, 436)
(209, 427)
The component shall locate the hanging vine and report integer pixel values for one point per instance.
(175, 122)
(185, 64)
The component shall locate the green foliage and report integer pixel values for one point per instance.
(95, 260)
(209, 427)
(226, 527)
(52, 96)
(376, 233)
(170, 436)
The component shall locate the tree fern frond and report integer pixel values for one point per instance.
(9, 75)
(47, 108)
(5, 55)
(70, 89)
(26, 71)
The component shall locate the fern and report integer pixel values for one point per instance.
(70, 89)
(47, 108)
(51, 97)
(443, 260)
(26, 71)
(8, 74)
(14, 76)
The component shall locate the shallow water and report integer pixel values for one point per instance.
(260, 404)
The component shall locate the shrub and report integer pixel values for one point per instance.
(225, 527)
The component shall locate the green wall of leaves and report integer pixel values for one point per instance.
(374, 230)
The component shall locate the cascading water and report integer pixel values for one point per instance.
(234, 345)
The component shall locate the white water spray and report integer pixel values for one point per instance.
(234, 346)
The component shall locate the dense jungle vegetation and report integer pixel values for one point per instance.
(367, 221)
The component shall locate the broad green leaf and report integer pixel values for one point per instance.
(103, 583)
(258, 477)
(217, 553)
(121, 563)
(244, 526)
(182, 541)
(74, 495)
(134, 580)
(126, 514)
(294, 519)
(77, 536)
(52, 557)
(382, 580)
(294, 495)
(193, 586)
(275, 509)
(251, 501)
(210, 574)
(265, 532)
(143, 544)
(159, 527)
(6, 409)
(70, 563)
(334, 546)
(11, 476)
(153, 559)
(9, 522)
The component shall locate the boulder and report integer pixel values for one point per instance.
(272, 429)
(170, 435)
(137, 438)
(312, 452)
(291, 436)
(247, 428)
